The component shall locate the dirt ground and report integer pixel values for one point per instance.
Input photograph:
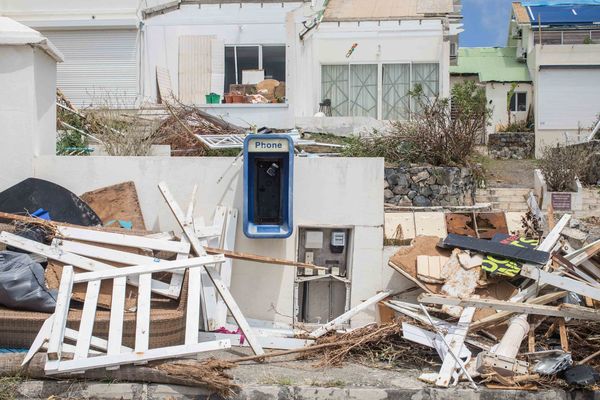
(509, 173)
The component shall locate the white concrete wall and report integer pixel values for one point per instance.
(27, 110)
(378, 43)
(496, 92)
(327, 191)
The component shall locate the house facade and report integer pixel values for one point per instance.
(507, 83)
(561, 47)
(364, 56)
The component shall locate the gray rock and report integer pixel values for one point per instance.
(400, 190)
(393, 179)
(421, 176)
(426, 191)
(386, 184)
(421, 201)
(387, 194)
(412, 194)
(405, 201)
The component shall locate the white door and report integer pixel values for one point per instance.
(100, 66)
(568, 97)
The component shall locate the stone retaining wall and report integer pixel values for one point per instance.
(424, 186)
(516, 145)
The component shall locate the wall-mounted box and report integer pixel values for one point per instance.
(268, 186)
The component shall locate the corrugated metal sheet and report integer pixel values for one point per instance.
(100, 66)
(195, 65)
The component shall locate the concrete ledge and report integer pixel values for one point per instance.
(140, 391)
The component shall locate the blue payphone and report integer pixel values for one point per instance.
(268, 186)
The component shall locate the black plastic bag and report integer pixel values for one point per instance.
(22, 284)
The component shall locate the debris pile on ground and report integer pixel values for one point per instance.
(487, 307)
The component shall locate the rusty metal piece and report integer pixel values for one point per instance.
(482, 225)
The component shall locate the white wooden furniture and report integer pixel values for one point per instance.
(113, 353)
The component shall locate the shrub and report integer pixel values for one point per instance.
(561, 166)
(437, 134)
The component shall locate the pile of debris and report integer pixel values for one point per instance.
(481, 299)
(115, 301)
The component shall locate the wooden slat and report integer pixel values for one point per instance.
(55, 253)
(226, 267)
(88, 316)
(455, 342)
(192, 319)
(565, 310)
(210, 295)
(153, 268)
(135, 357)
(117, 308)
(142, 322)
(121, 239)
(345, 317)
(60, 314)
(214, 277)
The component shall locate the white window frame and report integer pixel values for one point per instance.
(379, 65)
(260, 55)
(516, 97)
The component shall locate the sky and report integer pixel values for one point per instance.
(485, 22)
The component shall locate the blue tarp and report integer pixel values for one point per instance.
(564, 15)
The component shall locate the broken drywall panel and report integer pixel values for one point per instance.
(399, 226)
(430, 224)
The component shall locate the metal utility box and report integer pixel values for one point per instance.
(268, 186)
(320, 296)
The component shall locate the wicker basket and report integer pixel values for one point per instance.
(18, 329)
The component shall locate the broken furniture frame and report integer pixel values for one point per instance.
(115, 355)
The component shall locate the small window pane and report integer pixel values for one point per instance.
(428, 77)
(274, 62)
(229, 67)
(363, 90)
(334, 86)
(247, 58)
(396, 85)
(521, 101)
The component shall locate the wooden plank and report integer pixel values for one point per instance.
(531, 338)
(115, 326)
(135, 357)
(150, 269)
(192, 319)
(208, 289)
(88, 316)
(121, 239)
(268, 342)
(214, 277)
(345, 317)
(405, 274)
(60, 313)
(103, 253)
(561, 282)
(74, 260)
(40, 339)
(142, 322)
(564, 310)
(503, 315)
(554, 235)
(261, 259)
(226, 267)
(456, 341)
(564, 339)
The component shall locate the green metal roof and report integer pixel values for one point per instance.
(492, 64)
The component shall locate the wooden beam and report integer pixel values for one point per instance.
(261, 259)
(456, 341)
(561, 282)
(120, 239)
(74, 260)
(148, 269)
(564, 310)
(224, 292)
(61, 312)
(345, 317)
(504, 315)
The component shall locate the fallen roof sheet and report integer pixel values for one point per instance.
(564, 15)
(365, 10)
(491, 64)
